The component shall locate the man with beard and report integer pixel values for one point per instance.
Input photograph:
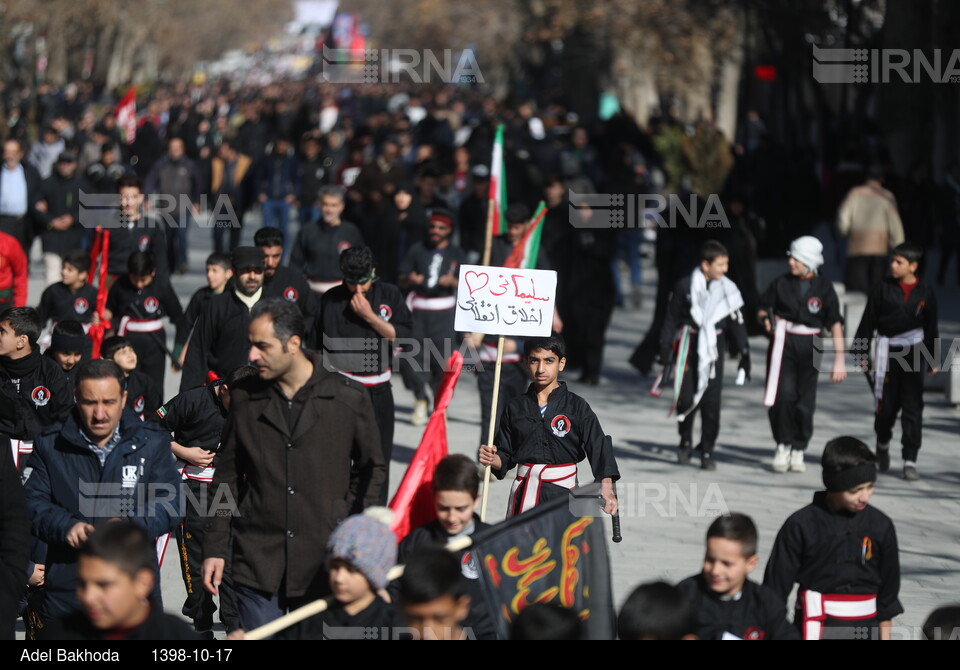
(280, 281)
(316, 253)
(219, 340)
(431, 271)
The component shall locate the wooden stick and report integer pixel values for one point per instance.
(318, 606)
(492, 427)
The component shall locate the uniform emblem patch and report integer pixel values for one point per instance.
(80, 305)
(40, 396)
(814, 305)
(138, 404)
(385, 312)
(342, 246)
(291, 294)
(754, 634)
(468, 568)
(560, 425)
(151, 304)
(143, 243)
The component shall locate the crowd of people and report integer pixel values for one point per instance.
(390, 190)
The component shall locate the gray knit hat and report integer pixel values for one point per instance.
(366, 542)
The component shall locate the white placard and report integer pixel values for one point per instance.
(506, 301)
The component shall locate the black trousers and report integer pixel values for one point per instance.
(863, 272)
(791, 416)
(19, 227)
(434, 330)
(383, 412)
(513, 382)
(199, 605)
(709, 405)
(902, 391)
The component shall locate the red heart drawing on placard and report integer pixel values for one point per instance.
(476, 279)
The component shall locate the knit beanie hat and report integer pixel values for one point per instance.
(366, 542)
(808, 250)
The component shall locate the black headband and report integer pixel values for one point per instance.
(850, 478)
(79, 343)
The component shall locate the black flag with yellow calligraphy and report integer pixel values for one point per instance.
(555, 553)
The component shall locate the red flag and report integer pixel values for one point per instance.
(99, 252)
(126, 113)
(412, 504)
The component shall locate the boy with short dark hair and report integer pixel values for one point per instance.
(456, 488)
(219, 273)
(842, 553)
(115, 576)
(656, 611)
(68, 346)
(433, 596)
(72, 297)
(546, 432)
(727, 604)
(899, 326)
(704, 310)
(143, 395)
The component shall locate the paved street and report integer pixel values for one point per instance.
(666, 508)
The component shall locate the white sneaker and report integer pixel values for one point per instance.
(796, 461)
(781, 458)
(419, 413)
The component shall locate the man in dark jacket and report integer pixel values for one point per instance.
(61, 231)
(277, 182)
(19, 194)
(102, 463)
(176, 176)
(293, 496)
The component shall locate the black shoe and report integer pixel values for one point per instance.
(683, 453)
(707, 461)
(883, 459)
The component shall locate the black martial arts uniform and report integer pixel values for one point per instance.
(59, 303)
(806, 305)
(138, 316)
(434, 310)
(196, 419)
(907, 316)
(756, 613)
(679, 315)
(143, 395)
(339, 331)
(843, 559)
(219, 340)
(561, 435)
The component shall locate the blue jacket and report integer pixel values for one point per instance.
(68, 485)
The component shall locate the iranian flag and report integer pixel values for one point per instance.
(498, 187)
(126, 113)
(524, 255)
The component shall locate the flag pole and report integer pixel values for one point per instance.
(492, 426)
(488, 235)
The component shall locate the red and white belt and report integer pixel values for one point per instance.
(776, 357)
(881, 354)
(20, 449)
(131, 325)
(200, 473)
(534, 475)
(818, 607)
(488, 354)
(322, 287)
(369, 380)
(433, 304)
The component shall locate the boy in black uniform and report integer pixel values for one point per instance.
(430, 271)
(72, 298)
(134, 230)
(196, 418)
(143, 394)
(219, 273)
(68, 346)
(456, 489)
(727, 603)
(796, 307)
(842, 552)
(546, 432)
(900, 317)
(115, 576)
(364, 309)
(33, 389)
(703, 310)
(218, 342)
(136, 304)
